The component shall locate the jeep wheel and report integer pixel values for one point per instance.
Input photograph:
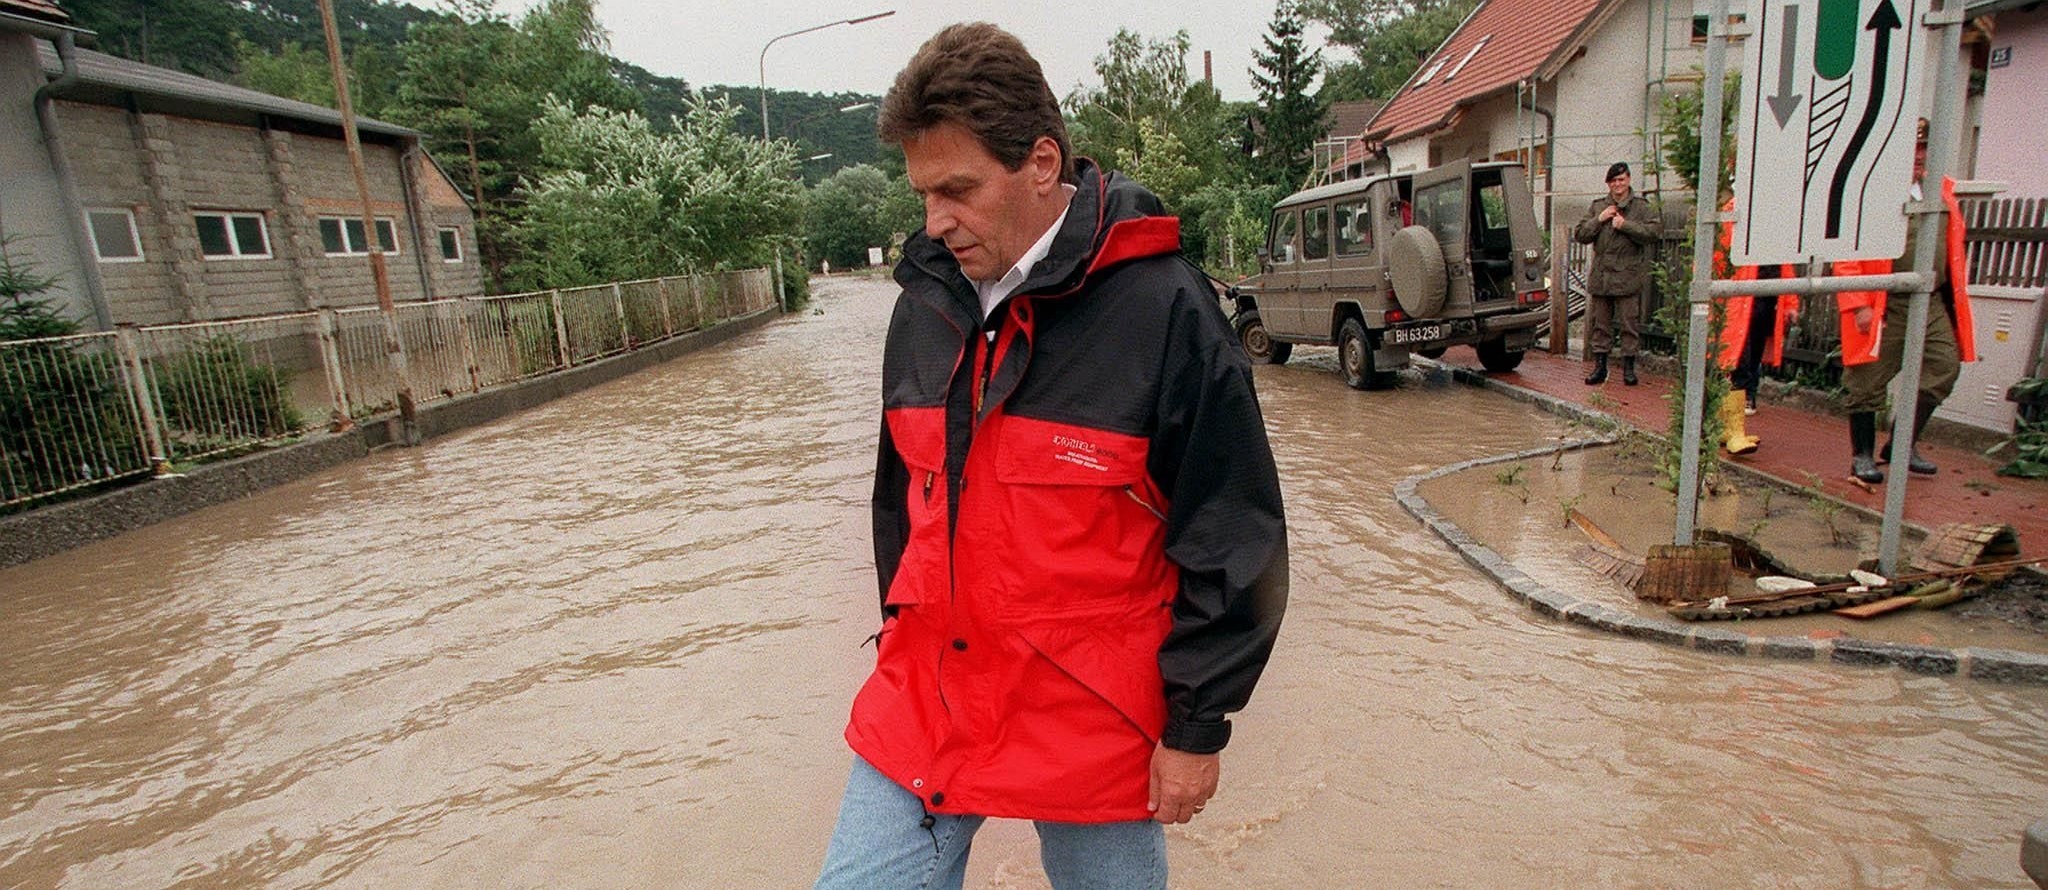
(1252, 333)
(1496, 356)
(1421, 280)
(1354, 358)
(1433, 353)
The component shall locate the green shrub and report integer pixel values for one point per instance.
(214, 396)
(64, 418)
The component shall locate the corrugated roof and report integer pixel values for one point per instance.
(115, 73)
(36, 9)
(1503, 41)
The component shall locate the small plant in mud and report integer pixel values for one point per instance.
(1768, 491)
(1826, 508)
(1512, 479)
(1756, 529)
(1569, 505)
(1602, 402)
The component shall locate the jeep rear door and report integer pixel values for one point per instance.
(1442, 205)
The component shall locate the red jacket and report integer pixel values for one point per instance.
(1078, 528)
(1860, 347)
(1735, 321)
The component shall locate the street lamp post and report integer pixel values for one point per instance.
(781, 290)
(763, 65)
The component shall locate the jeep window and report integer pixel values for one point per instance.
(1354, 228)
(1438, 209)
(1493, 207)
(1315, 234)
(1283, 236)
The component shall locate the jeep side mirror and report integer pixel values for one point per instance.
(1265, 254)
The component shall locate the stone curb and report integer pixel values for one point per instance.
(1997, 665)
(46, 531)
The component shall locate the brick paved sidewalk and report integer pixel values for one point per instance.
(1799, 445)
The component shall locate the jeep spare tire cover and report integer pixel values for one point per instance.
(1416, 262)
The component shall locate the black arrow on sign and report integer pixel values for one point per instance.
(1786, 102)
(1884, 21)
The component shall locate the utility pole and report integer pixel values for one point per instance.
(394, 346)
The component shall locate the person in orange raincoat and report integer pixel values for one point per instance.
(1752, 335)
(1874, 336)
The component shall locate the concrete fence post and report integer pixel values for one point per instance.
(561, 330)
(467, 337)
(697, 298)
(150, 435)
(668, 322)
(339, 415)
(619, 306)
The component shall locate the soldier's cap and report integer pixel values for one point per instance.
(1618, 168)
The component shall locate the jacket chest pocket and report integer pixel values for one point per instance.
(1082, 519)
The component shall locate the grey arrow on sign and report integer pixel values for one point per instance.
(1786, 102)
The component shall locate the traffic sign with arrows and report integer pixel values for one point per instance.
(1824, 153)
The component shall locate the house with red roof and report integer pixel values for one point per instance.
(1566, 86)
(1571, 86)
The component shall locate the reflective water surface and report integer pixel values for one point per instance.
(611, 643)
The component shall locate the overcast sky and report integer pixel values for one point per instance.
(710, 42)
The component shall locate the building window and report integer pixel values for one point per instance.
(451, 245)
(1699, 29)
(343, 236)
(225, 235)
(114, 239)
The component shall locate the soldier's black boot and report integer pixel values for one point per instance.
(1628, 370)
(1862, 439)
(1599, 374)
(1914, 461)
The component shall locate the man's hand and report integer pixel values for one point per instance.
(1182, 784)
(1862, 318)
(1609, 212)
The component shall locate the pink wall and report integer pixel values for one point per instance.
(2011, 147)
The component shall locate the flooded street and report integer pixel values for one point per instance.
(611, 642)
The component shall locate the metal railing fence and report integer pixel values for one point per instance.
(68, 415)
(81, 410)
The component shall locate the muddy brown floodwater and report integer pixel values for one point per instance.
(611, 642)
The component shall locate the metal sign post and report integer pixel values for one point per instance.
(1828, 118)
(1711, 101)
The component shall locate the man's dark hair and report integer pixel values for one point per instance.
(980, 77)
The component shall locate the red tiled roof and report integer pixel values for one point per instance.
(1514, 39)
(35, 9)
(1347, 119)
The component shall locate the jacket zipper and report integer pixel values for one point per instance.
(1146, 504)
(929, 476)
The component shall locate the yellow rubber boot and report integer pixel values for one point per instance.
(1737, 440)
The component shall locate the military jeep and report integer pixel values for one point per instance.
(1398, 264)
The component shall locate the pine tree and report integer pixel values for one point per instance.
(1290, 117)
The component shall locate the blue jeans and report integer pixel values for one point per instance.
(886, 841)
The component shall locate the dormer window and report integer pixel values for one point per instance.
(1467, 60)
(1429, 75)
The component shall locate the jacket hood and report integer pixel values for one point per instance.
(1110, 219)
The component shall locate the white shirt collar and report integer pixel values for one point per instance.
(994, 292)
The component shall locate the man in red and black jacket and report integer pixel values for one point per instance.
(1077, 519)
